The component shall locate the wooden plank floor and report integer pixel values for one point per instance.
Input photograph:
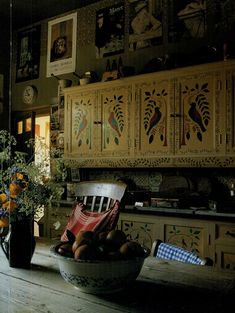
(162, 287)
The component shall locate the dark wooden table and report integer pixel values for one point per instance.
(161, 287)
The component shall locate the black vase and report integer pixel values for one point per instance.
(19, 244)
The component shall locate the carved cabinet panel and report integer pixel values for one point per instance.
(139, 229)
(190, 238)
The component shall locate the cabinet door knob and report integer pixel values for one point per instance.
(176, 115)
(97, 122)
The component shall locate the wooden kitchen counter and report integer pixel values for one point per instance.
(162, 286)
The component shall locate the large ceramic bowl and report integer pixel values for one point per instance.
(99, 277)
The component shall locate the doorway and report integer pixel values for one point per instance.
(42, 133)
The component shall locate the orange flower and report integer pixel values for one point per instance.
(3, 198)
(10, 206)
(4, 222)
(15, 190)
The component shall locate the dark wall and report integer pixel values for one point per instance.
(183, 51)
(5, 31)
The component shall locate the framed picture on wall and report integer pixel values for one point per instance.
(187, 20)
(109, 38)
(61, 45)
(28, 54)
(145, 24)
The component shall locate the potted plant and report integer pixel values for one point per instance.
(25, 190)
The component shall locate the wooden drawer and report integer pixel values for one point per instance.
(225, 232)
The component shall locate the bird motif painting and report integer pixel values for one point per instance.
(82, 125)
(156, 117)
(196, 116)
(114, 123)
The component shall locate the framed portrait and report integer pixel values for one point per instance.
(187, 20)
(28, 54)
(145, 24)
(61, 45)
(110, 31)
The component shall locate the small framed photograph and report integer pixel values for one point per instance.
(28, 54)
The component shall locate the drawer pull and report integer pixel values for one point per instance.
(230, 234)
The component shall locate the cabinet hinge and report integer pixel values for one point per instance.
(219, 84)
(215, 257)
(209, 239)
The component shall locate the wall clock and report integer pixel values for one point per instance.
(30, 94)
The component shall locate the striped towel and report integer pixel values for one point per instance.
(171, 252)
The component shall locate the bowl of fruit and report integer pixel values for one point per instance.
(100, 263)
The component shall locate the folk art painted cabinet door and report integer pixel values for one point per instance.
(81, 114)
(199, 115)
(191, 235)
(139, 228)
(114, 114)
(153, 124)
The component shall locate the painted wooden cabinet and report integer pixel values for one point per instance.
(98, 122)
(207, 238)
(182, 117)
(193, 235)
(225, 246)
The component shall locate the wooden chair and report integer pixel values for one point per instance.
(99, 195)
(96, 208)
(169, 251)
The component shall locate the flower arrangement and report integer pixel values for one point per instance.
(24, 185)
